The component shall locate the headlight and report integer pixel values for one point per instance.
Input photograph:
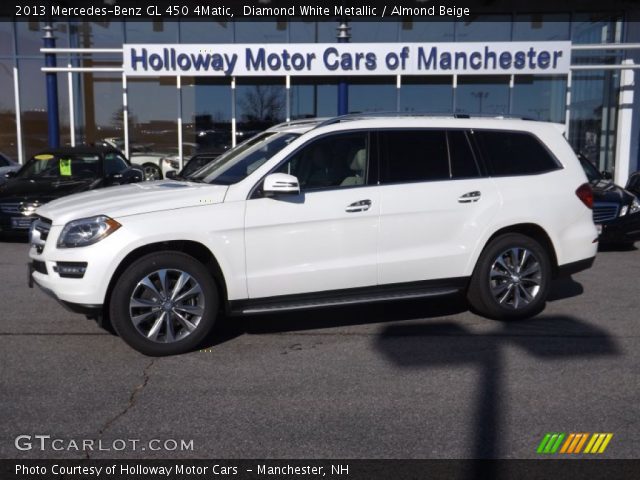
(86, 231)
(635, 206)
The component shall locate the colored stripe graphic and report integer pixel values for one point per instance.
(598, 442)
(572, 443)
(550, 443)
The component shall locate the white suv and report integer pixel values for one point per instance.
(308, 214)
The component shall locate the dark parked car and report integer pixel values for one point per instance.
(194, 164)
(55, 173)
(633, 184)
(7, 165)
(616, 211)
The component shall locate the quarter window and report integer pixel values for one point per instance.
(334, 161)
(514, 153)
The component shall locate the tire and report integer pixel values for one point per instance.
(151, 172)
(504, 291)
(159, 322)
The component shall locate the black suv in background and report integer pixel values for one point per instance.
(616, 211)
(55, 173)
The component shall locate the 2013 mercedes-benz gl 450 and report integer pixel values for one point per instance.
(321, 213)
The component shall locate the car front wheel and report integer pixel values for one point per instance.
(165, 303)
(511, 279)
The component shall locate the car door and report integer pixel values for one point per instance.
(324, 238)
(434, 204)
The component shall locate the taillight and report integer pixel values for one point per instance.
(585, 194)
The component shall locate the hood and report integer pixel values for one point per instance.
(43, 190)
(607, 191)
(134, 199)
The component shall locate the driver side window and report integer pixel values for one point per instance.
(114, 163)
(331, 162)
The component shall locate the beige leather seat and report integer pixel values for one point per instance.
(358, 165)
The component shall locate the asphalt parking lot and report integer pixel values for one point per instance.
(405, 380)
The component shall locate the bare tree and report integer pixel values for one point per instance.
(262, 103)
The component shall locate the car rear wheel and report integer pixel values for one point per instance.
(511, 279)
(151, 172)
(164, 304)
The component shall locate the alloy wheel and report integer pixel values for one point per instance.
(167, 305)
(515, 278)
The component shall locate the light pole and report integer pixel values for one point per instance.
(52, 88)
(343, 88)
(481, 95)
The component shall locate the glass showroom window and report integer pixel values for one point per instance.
(482, 95)
(105, 34)
(539, 97)
(151, 31)
(33, 105)
(206, 114)
(541, 27)
(377, 94)
(153, 110)
(6, 37)
(313, 97)
(261, 32)
(488, 28)
(197, 31)
(259, 105)
(423, 30)
(426, 94)
(30, 36)
(385, 31)
(594, 107)
(99, 116)
(8, 141)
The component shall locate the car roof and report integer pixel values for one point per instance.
(80, 149)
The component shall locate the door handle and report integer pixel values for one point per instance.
(470, 197)
(359, 206)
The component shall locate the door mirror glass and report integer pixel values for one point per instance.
(132, 175)
(281, 183)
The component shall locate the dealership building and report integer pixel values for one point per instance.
(178, 86)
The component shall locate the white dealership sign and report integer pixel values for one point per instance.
(346, 59)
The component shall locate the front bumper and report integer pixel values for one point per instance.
(89, 310)
(621, 230)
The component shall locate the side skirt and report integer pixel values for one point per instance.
(351, 296)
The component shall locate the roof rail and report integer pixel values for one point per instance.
(369, 115)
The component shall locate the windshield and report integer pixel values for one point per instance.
(49, 166)
(589, 169)
(239, 162)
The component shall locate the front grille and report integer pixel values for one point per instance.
(11, 208)
(603, 212)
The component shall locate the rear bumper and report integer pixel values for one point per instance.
(621, 230)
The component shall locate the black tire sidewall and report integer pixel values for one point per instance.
(480, 295)
(119, 305)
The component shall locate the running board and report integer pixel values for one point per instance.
(338, 298)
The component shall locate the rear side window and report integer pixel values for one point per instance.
(514, 153)
(463, 162)
(413, 156)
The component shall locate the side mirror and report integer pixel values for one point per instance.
(10, 174)
(171, 174)
(281, 183)
(606, 175)
(132, 175)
